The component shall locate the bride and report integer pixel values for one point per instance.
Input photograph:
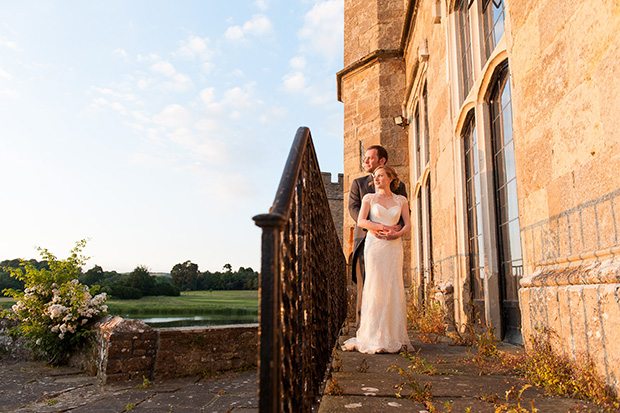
(383, 321)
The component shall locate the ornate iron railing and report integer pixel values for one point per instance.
(302, 286)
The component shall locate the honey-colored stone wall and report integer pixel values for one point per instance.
(566, 93)
(371, 25)
(442, 165)
(565, 90)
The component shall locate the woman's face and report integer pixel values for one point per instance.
(381, 178)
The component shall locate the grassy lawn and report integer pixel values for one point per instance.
(191, 302)
(6, 302)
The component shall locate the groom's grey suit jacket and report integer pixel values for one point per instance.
(359, 188)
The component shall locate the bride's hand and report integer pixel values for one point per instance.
(380, 234)
(391, 234)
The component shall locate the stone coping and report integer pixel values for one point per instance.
(597, 272)
(218, 327)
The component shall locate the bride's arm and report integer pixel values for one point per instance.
(364, 222)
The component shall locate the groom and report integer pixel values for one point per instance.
(375, 156)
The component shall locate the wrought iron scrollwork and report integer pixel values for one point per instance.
(303, 299)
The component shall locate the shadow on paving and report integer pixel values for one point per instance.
(33, 387)
(367, 385)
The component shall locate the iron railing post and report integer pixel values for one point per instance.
(269, 295)
(302, 286)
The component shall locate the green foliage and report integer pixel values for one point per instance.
(426, 318)
(8, 282)
(134, 285)
(417, 391)
(55, 311)
(146, 383)
(557, 374)
(419, 365)
(514, 394)
(185, 276)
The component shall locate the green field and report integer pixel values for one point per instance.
(189, 303)
(6, 302)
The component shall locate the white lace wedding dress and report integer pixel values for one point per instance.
(383, 319)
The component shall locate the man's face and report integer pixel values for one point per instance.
(371, 160)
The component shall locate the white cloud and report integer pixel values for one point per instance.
(164, 68)
(177, 82)
(174, 116)
(274, 115)
(4, 42)
(100, 103)
(151, 57)
(262, 4)
(258, 25)
(323, 28)
(129, 97)
(294, 82)
(207, 67)
(10, 93)
(234, 32)
(120, 52)
(5, 75)
(195, 46)
(297, 62)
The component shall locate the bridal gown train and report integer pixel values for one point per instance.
(383, 319)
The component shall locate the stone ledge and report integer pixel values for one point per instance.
(584, 273)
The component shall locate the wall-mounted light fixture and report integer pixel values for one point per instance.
(401, 121)
(436, 12)
(423, 53)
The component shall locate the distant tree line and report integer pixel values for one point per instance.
(139, 282)
(187, 277)
(134, 285)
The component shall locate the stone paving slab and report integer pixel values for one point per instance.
(366, 385)
(33, 387)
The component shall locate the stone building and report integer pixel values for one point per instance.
(334, 197)
(508, 139)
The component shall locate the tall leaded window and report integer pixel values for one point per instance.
(429, 233)
(418, 141)
(493, 22)
(506, 202)
(474, 215)
(420, 233)
(466, 69)
(427, 153)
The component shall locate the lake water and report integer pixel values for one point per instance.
(161, 321)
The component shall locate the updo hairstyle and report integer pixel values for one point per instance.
(395, 184)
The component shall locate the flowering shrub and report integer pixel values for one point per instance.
(55, 311)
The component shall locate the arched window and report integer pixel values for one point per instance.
(475, 240)
(506, 202)
(466, 69)
(493, 23)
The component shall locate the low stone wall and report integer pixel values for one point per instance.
(130, 349)
(580, 304)
(11, 347)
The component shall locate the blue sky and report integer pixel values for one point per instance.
(158, 128)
